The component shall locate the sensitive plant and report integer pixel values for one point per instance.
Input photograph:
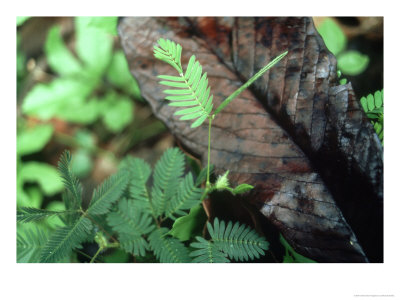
(125, 207)
(125, 212)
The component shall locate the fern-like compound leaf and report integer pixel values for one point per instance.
(168, 249)
(190, 89)
(108, 193)
(373, 107)
(167, 173)
(207, 252)
(188, 195)
(65, 239)
(69, 179)
(134, 244)
(170, 53)
(140, 172)
(239, 242)
(131, 224)
(31, 214)
(30, 245)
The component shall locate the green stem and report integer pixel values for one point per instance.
(97, 253)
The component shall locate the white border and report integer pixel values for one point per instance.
(235, 281)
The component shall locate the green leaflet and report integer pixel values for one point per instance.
(167, 172)
(140, 172)
(191, 86)
(108, 193)
(168, 249)
(64, 240)
(187, 196)
(239, 242)
(131, 224)
(207, 252)
(373, 107)
(29, 214)
(30, 245)
(70, 181)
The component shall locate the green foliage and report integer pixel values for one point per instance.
(65, 239)
(107, 24)
(168, 249)
(22, 20)
(186, 196)
(334, 37)
(121, 206)
(187, 227)
(242, 188)
(108, 193)
(43, 174)
(208, 252)
(60, 59)
(350, 62)
(131, 225)
(29, 214)
(119, 75)
(239, 242)
(77, 95)
(30, 245)
(70, 181)
(373, 107)
(292, 256)
(124, 206)
(31, 140)
(192, 90)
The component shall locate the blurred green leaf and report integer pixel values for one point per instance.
(47, 100)
(378, 98)
(334, 38)
(22, 20)
(119, 75)
(117, 112)
(31, 140)
(189, 226)
(85, 139)
(107, 24)
(58, 56)
(55, 221)
(32, 197)
(80, 112)
(93, 46)
(45, 175)
(352, 62)
(370, 102)
(82, 163)
(117, 256)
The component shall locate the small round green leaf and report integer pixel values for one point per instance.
(370, 102)
(378, 99)
(352, 62)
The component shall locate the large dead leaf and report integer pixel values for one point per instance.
(303, 141)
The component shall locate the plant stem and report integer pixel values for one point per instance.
(208, 154)
(97, 253)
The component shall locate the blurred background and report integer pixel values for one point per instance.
(75, 91)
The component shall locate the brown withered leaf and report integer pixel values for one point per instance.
(300, 138)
